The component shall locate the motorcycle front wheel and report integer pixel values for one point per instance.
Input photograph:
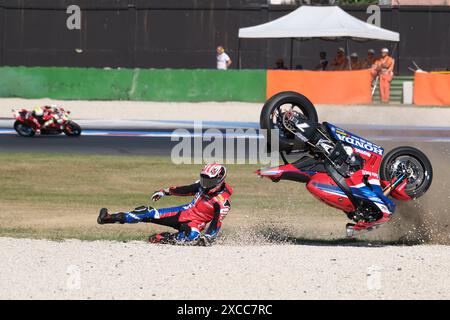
(72, 129)
(23, 129)
(411, 162)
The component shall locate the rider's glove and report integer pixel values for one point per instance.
(159, 194)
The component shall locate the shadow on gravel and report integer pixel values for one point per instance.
(350, 242)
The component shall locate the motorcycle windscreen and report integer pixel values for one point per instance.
(354, 140)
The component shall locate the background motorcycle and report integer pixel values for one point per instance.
(361, 190)
(26, 127)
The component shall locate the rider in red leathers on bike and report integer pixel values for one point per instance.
(211, 204)
(45, 116)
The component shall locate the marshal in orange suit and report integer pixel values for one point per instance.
(384, 67)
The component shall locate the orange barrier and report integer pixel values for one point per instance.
(432, 89)
(327, 87)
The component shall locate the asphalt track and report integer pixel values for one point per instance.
(160, 141)
(101, 145)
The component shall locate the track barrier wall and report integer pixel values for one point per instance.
(177, 85)
(325, 87)
(432, 89)
(133, 84)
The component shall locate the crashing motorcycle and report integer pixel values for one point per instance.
(339, 168)
(27, 125)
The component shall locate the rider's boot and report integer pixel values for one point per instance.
(104, 217)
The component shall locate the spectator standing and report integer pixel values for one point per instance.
(385, 69)
(339, 62)
(323, 62)
(223, 60)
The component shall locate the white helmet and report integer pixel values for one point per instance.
(212, 177)
(38, 111)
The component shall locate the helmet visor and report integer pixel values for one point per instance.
(209, 183)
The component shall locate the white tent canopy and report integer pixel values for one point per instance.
(326, 22)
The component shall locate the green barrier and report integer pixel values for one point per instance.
(129, 84)
(65, 83)
(200, 85)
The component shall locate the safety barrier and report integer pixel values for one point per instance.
(199, 85)
(65, 83)
(432, 89)
(330, 87)
(133, 84)
(327, 87)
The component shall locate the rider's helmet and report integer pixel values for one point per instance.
(212, 177)
(38, 111)
(54, 107)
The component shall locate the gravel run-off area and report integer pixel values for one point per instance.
(72, 269)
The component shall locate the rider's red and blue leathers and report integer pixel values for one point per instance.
(189, 219)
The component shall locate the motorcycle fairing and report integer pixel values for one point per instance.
(364, 184)
(325, 189)
(354, 140)
(322, 186)
(369, 187)
(372, 153)
(286, 172)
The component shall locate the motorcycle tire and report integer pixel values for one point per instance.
(72, 129)
(23, 129)
(286, 140)
(421, 171)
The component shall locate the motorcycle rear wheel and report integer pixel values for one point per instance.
(274, 109)
(412, 162)
(23, 130)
